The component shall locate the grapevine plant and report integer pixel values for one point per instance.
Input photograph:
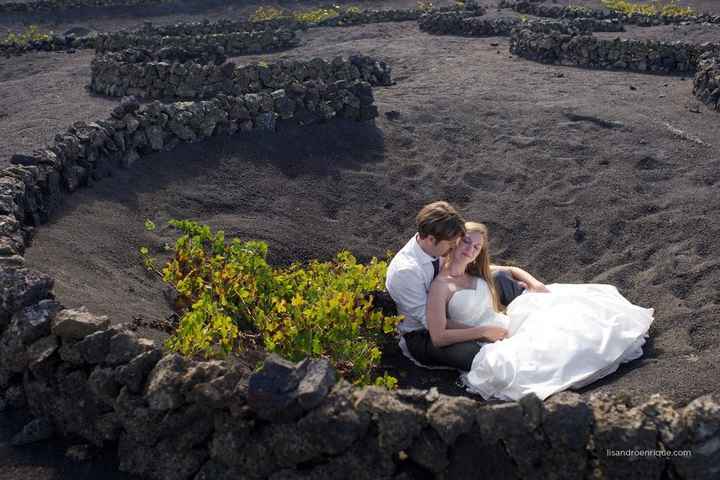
(30, 34)
(227, 290)
(310, 17)
(669, 8)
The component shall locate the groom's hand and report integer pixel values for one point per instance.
(535, 286)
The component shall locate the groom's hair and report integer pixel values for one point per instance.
(440, 220)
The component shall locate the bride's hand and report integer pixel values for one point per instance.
(493, 334)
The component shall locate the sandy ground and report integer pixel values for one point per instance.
(491, 133)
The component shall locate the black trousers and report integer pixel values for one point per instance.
(459, 355)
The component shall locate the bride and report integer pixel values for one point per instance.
(553, 338)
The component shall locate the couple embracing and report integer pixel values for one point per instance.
(507, 332)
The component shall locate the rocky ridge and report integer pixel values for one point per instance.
(172, 417)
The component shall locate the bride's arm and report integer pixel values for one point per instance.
(441, 334)
(520, 275)
(451, 324)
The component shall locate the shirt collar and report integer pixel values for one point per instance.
(420, 253)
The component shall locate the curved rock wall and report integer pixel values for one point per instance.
(206, 27)
(551, 42)
(560, 11)
(52, 44)
(44, 6)
(706, 85)
(465, 24)
(345, 18)
(230, 44)
(114, 77)
(592, 52)
(90, 151)
(228, 37)
(225, 37)
(220, 45)
(576, 25)
(362, 17)
(48, 5)
(175, 418)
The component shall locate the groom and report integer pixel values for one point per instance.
(439, 227)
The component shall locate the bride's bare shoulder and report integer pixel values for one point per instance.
(442, 286)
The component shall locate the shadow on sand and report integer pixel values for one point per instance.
(316, 151)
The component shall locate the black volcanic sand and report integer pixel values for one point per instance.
(491, 133)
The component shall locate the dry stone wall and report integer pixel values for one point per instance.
(562, 11)
(230, 44)
(89, 151)
(229, 33)
(172, 418)
(578, 25)
(114, 77)
(362, 17)
(228, 37)
(206, 27)
(562, 43)
(52, 44)
(45, 6)
(467, 24)
(592, 52)
(706, 85)
(201, 47)
(345, 18)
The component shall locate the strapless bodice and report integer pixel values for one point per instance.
(473, 307)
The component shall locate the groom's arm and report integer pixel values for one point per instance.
(407, 288)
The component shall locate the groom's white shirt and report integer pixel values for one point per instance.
(408, 280)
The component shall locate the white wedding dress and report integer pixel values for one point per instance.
(567, 338)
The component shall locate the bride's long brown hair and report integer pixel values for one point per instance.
(480, 267)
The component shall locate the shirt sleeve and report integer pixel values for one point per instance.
(407, 287)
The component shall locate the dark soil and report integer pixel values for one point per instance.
(502, 138)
